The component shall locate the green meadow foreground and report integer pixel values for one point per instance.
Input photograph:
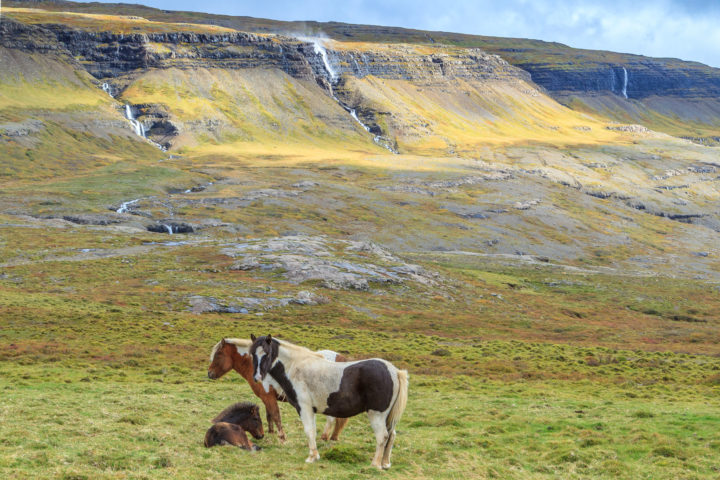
(460, 427)
(103, 368)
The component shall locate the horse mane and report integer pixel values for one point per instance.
(239, 342)
(297, 348)
(234, 410)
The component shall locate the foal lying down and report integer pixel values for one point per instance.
(230, 426)
(312, 384)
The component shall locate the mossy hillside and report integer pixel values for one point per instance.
(72, 125)
(247, 110)
(113, 265)
(124, 24)
(691, 118)
(471, 115)
(357, 194)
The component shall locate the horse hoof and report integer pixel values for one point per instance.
(376, 465)
(386, 466)
(312, 458)
(324, 438)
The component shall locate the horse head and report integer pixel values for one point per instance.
(264, 352)
(253, 423)
(221, 360)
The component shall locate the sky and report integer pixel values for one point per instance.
(686, 29)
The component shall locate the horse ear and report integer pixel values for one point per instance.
(252, 337)
(268, 339)
(223, 342)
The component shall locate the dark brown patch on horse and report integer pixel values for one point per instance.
(272, 349)
(277, 372)
(366, 385)
(244, 414)
(223, 433)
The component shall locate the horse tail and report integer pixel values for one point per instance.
(400, 401)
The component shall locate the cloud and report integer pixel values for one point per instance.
(684, 29)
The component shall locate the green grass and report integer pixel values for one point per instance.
(151, 425)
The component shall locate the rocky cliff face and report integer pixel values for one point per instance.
(644, 78)
(107, 55)
(436, 65)
(118, 60)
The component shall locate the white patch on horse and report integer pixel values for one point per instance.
(268, 382)
(329, 355)
(259, 354)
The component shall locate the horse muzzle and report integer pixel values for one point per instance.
(211, 375)
(258, 377)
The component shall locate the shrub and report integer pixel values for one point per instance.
(643, 414)
(344, 454)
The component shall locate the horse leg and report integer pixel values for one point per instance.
(271, 428)
(308, 420)
(241, 440)
(388, 449)
(339, 425)
(328, 426)
(273, 414)
(377, 422)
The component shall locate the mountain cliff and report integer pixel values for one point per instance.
(668, 95)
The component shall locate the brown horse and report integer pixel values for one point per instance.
(232, 353)
(223, 433)
(230, 426)
(245, 414)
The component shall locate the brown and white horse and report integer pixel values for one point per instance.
(313, 384)
(232, 353)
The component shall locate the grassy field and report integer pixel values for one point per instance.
(152, 426)
(102, 367)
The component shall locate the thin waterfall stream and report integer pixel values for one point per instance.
(333, 78)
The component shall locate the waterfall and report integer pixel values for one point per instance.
(625, 83)
(383, 142)
(320, 49)
(137, 125)
(333, 79)
(168, 228)
(125, 206)
(354, 115)
(107, 89)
